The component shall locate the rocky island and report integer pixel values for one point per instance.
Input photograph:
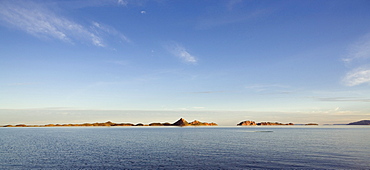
(311, 124)
(253, 123)
(183, 122)
(180, 122)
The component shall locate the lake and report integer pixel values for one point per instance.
(268, 147)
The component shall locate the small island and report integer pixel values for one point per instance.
(253, 123)
(311, 124)
(180, 122)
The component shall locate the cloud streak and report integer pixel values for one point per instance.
(40, 21)
(343, 99)
(109, 31)
(180, 52)
(77, 4)
(266, 87)
(358, 57)
(359, 50)
(357, 76)
(122, 2)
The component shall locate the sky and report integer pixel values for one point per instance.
(143, 61)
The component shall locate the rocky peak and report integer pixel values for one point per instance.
(181, 122)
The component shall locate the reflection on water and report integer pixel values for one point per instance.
(333, 147)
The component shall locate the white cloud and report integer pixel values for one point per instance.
(182, 53)
(77, 4)
(102, 29)
(143, 12)
(33, 19)
(96, 40)
(343, 99)
(122, 2)
(359, 50)
(358, 58)
(41, 21)
(357, 76)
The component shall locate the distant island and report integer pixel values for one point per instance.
(310, 124)
(361, 122)
(180, 122)
(253, 123)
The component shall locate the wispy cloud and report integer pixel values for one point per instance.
(357, 76)
(180, 52)
(41, 21)
(358, 58)
(122, 2)
(76, 4)
(266, 87)
(101, 29)
(343, 99)
(359, 50)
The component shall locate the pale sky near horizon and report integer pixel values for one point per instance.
(73, 61)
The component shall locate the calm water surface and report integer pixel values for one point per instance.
(296, 147)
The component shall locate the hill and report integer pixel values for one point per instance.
(361, 122)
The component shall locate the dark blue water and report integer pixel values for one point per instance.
(332, 147)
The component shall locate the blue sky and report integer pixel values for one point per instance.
(149, 61)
